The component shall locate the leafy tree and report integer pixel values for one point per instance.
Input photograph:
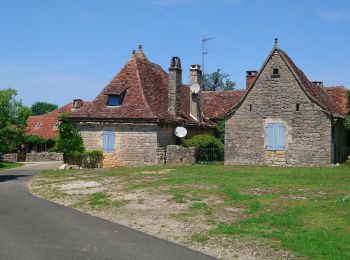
(217, 81)
(13, 117)
(69, 140)
(41, 108)
(220, 131)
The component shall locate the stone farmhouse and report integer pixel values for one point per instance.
(134, 117)
(284, 119)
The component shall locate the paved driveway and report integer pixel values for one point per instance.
(32, 228)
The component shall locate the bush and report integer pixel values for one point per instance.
(210, 148)
(90, 159)
(69, 140)
(204, 141)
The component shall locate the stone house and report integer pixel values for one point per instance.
(133, 119)
(45, 126)
(284, 119)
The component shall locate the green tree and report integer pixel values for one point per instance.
(13, 117)
(217, 81)
(41, 108)
(220, 131)
(69, 140)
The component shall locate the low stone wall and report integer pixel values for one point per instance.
(176, 154)
(10, 157)
(37, 157)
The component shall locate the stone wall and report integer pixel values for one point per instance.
(273, 99)
(46, 156)
(10, 157)
(176, 154)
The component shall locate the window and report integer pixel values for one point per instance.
(108, 141)
(275, 137)
(297, 107)
(275, 73)
(56, 124)
(250, 107)
(114, 100)
(38, 125)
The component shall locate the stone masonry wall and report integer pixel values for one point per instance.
(135, 144)
(37, 157)
(10, 157)
(176, 154)
(274, 99)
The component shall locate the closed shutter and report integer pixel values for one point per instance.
(275, 134)
(270, 139)
(280, 138)
(108, 141)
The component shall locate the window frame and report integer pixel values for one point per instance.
(119, 99)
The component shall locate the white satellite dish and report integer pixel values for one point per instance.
(180, 131)
(195, 88)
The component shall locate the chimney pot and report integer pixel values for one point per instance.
(250, 77)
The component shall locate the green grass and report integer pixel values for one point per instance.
(9, 165)
(306, 209)
(100, 199)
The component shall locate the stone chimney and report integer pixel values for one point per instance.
(175, 82)
(77, 103)
(195, 92)
(250, 77)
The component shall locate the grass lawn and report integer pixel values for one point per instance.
(8, 165)
(305, 211)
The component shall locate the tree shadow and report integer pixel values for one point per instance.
(4, 178)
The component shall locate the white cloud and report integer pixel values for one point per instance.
(336, 15)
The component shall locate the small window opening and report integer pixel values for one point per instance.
(114, 100)
(250, 107)
(275, 71)
(56, 124)
(297, 107)
(38, 125)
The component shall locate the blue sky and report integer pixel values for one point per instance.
(59, 50)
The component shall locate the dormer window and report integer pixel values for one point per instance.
(275, 73)
(38, 125)
(56, 124)
(114, 100)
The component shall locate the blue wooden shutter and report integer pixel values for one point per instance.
(270, 137)
(108, 141)
(280, 138)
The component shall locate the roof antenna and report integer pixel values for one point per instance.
(204, 51)
(276, 42)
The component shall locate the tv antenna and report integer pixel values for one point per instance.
(204, 51)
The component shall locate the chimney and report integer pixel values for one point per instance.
(175, 82)
(195, 92)
(77, 103)
(250, 77)
(318, 83)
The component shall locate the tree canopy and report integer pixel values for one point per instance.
(217, 81)
(41, 108)
(13, 117)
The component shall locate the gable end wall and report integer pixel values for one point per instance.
(273, 100)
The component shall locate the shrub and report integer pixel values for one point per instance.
(90, 159)
(69, 140)
(210, 148)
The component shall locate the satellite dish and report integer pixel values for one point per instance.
(180, 131)
(195, 88)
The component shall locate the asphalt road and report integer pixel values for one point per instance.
(32, 228)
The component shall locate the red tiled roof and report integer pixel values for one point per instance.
(145, 88)
(48, 122)
(215, 104)
(340, 97)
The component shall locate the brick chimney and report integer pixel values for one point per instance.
(250, 77)
(175, 82)
(77, 103)
(195, 92)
